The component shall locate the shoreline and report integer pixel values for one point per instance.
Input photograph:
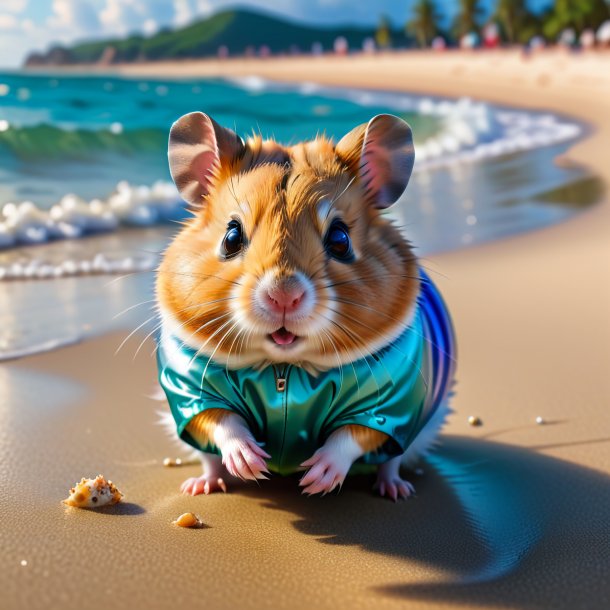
(531, 314)
(569, 84)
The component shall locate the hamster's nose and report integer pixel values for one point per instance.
(281, 299)
(285, 296)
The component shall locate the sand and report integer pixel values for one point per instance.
(511, 514)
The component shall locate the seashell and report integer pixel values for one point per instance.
(93, 493)
(188, 520)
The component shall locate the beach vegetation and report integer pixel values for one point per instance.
(238, 30)
(577, 15)
(241, 32)
(469, 19)
(383, 35)
(425, 22)
(511, 16)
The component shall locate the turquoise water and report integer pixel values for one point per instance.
(481, 173)
(86, 134)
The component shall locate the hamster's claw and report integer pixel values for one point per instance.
(394, 488)
(244, 458)
(203, 485)
(325, 474)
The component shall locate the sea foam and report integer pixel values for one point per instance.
(470, 132)
(72, 217)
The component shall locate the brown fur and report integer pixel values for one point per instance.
(367, 438)
(201, 427)
(276, 191)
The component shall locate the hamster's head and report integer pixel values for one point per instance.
(288, 257)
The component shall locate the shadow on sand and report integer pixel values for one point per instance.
(508, 526)
(126, 509)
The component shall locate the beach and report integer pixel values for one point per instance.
(510, 514)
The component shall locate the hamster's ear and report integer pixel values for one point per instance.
(198, 146)
(381, 152)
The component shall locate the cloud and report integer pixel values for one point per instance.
(14, 6)
(186, 11)
(183, 12)
(74, 16)
(7, 22)
(150, 26)
(120, 17)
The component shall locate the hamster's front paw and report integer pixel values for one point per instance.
(327, 471)
(205, 484)
(244, 458)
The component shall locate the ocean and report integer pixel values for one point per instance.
(86, 197)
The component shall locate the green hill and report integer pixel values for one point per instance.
(238, 30)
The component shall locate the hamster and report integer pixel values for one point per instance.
(299, 332)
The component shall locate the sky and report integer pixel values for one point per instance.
(28, 25)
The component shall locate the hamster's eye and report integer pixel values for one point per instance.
(338, 243)
(233, 241)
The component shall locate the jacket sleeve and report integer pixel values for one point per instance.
(189, 392)
(389, 398)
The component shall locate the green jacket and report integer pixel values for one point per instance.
(292, 411)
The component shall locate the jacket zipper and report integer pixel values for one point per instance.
(280, 377)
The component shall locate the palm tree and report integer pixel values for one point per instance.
(424, 24)
(577, 14)
(511, 15)
(469, 18)
(383, 36)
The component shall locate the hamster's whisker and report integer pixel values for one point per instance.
(356, 342)
(157, 326)
(374, 277)
(204, 303)
(181, 325)
(154, 330)
(241, 330)
(331, 341)
(206, 324)
(199, 328)
(185, 322)
(242, 341)
(133, 332)
(202, 275)
(338, 357)
(124, 276)
(377, 333)
(199, 351)
(349, 302)
(365, 356)
(391, 345)
(122, 313)
(432, 270)
(207, 364)
(349, 334)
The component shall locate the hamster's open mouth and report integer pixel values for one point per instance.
(283, 337)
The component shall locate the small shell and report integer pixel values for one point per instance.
(188, 520)
(473, 420)
(93, 493)
(169, 462)
(540, 420)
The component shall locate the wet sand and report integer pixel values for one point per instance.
(508, 515)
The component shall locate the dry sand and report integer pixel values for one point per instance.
(510, 515)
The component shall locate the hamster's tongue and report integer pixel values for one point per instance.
(283, 336)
